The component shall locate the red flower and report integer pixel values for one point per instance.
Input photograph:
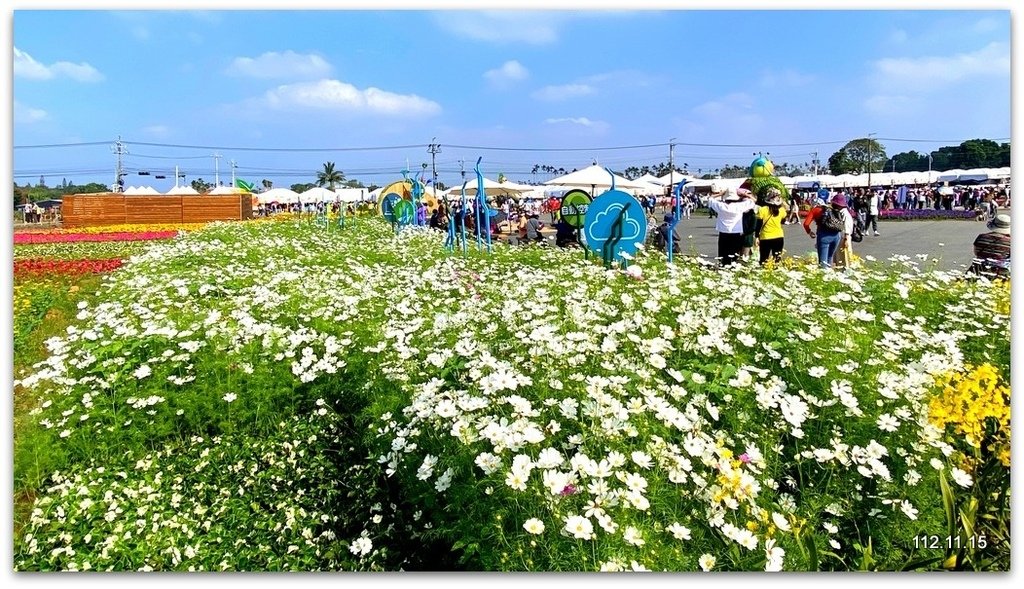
(64, 267)
(23, 238)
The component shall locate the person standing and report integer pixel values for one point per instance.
(871, 219)
(730, 204)
(831, 222)
(771, 236)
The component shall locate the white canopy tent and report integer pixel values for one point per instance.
(279, 195)
(491, 188)
(227, 190)
(142, 190)
(182, 190)
(593, 177)
(317, 194)
(351, 195)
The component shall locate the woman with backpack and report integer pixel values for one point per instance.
(831, 221)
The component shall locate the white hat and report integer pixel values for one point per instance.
(1001, 224)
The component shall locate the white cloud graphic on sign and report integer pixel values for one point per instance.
(630, 226)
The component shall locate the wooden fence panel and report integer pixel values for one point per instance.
(153, 209)
(93, 209)
(202, 209)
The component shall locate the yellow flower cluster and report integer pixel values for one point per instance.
(976, 406)
(125, 228)
(1001, 290)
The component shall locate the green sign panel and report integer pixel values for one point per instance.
(574, 207)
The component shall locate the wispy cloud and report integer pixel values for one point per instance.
(563, 92)
(785, 78)
(506, 27)
(597, 126)
(27, 115)
(509, 72)
(160, 131)
(273, 65)
(990, 61)
(890, 104)
(27, 67)
(337, 96)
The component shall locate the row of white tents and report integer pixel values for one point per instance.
(596, 177)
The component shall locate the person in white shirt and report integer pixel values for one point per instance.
(730, 204)
(874, 203)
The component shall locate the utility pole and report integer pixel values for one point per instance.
(434, 148)
(814, 162)
(120, 150)
(233, 166)
(870, 141)
(216, 168)
(671, 166)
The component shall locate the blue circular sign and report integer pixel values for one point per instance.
(614, 220)
(387, 206)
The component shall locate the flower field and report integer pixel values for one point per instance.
(280, 396)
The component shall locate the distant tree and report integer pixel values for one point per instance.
(201, 186)
(267, 184)
(300, 188)
(858, 156)
(329, 176)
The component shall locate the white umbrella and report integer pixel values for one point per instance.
(650, 179)
(593, 176)
(183, 190)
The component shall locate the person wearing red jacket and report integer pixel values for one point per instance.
(830, 221)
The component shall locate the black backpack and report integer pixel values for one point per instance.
(832, 220)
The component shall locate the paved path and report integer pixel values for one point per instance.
(948, 241)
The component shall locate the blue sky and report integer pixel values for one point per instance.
(258, 87)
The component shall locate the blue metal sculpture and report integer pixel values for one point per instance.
(482, 209)
(462, 219)
(605, 225)
(675, 218)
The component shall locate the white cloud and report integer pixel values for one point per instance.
(582, 123)
(27, 115)
(727, 105)
(157, 130)
(333, 95)
(27, 67)
(785, 78)
(574, 120)
(889, 104)
(510, 71)
(988, 24)
(930, 71)
(563, 92)
(532, 28)
(273, 65)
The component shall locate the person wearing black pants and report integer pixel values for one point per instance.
(730, 205)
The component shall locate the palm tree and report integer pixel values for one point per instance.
(329, 176)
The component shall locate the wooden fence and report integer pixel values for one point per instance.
(89, 210)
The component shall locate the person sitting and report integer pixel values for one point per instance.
(532, 229)
(661, 235)
(992, 249)
(565, 234)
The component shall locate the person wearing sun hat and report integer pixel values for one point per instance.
(992, 249)
(770, 235)
(833, 221)
(730, 207)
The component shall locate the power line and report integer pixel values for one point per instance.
(286, 149)
(53, 145)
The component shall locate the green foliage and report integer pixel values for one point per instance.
(858, 156)
(282, 373)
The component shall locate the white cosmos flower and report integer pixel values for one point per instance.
(962, 478)
(817, 371)
(633, 536)
(679, 531)
(642, 459)
(142, 371)
(230, 397)
(534, 526)
(580, 527)
(773, 556)
(780, 521)
(887, 423)
(706, 562)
